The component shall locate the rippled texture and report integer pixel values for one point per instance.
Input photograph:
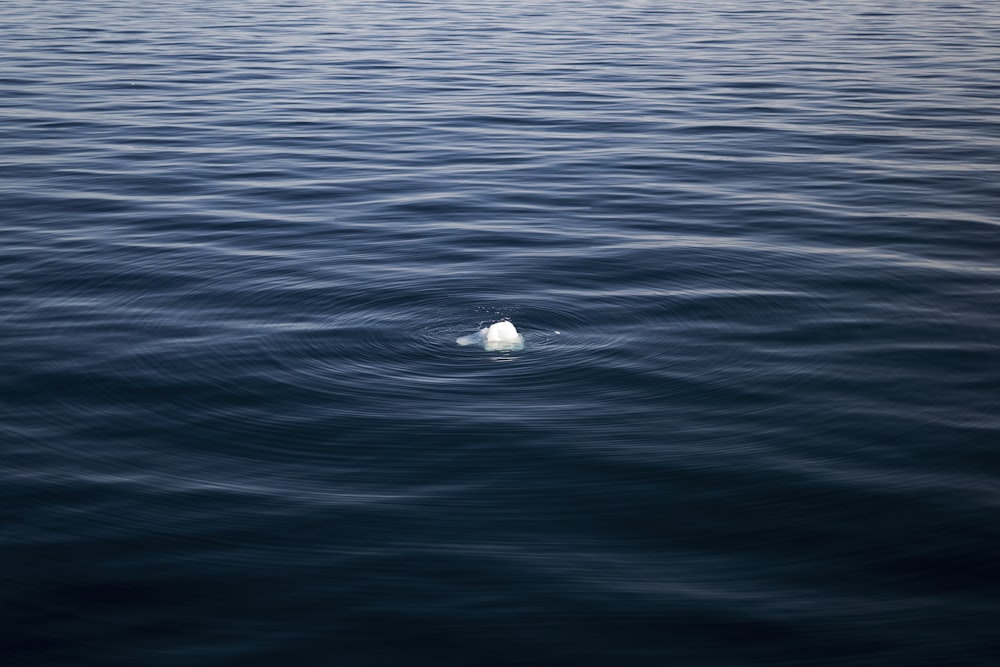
(752, 249)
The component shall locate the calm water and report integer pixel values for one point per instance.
(753, 250)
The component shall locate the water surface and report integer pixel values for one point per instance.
(752, 250)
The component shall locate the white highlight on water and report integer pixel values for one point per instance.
(498, 337)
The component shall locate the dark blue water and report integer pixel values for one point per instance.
(753, 248)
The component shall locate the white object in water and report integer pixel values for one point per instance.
(498, 337)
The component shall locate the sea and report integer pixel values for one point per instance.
(752, 250)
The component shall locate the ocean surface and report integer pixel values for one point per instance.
(753, 249)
